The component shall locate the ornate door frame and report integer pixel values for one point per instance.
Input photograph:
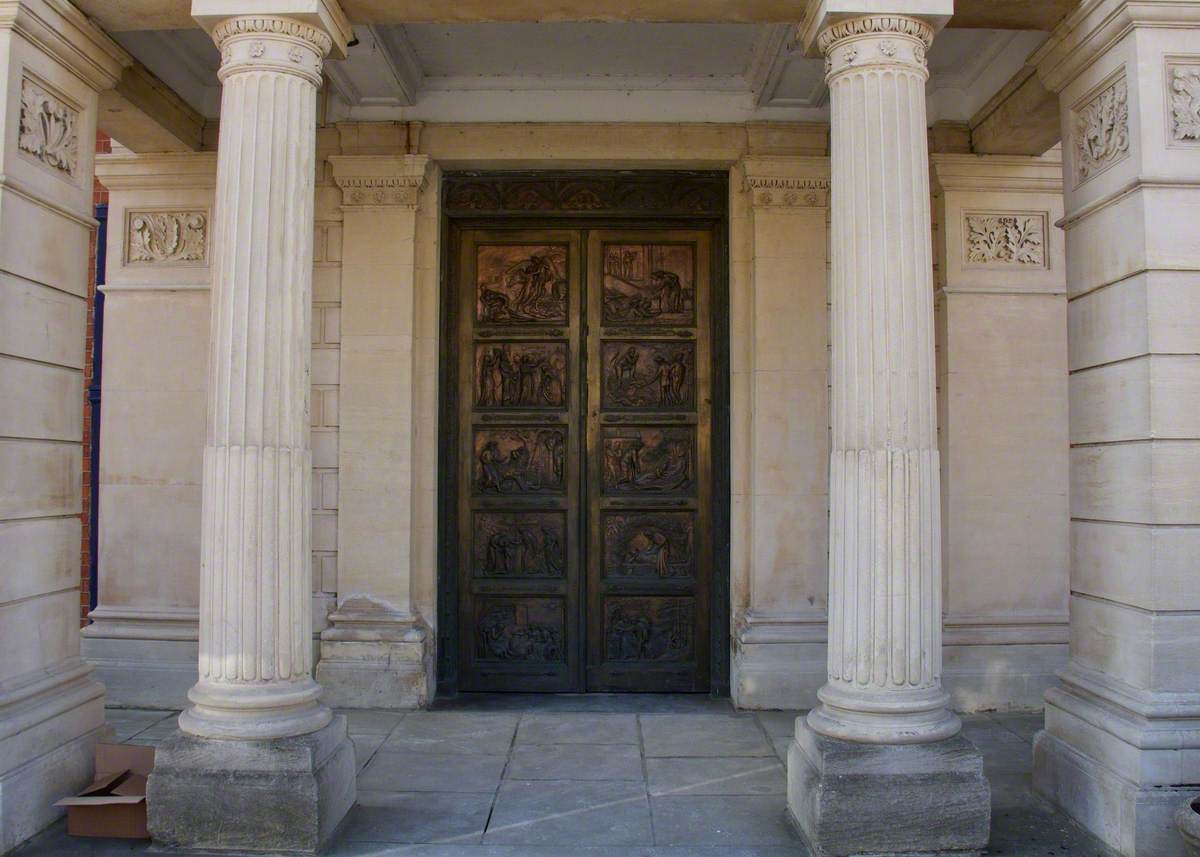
(591, 200)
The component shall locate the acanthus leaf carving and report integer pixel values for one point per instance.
(167, 237)
(1185, 103)
(1006, 239)
(48, 128)
(1102, 130)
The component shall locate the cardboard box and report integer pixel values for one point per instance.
(113, 806)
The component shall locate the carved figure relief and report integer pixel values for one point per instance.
(1184, 80)
(514, 544)
(520, 461)
(648, 460)
(527, 630)
(521, 375)
(648, 629)
(649, 284)
(48, 129)
(648, 375)
(1006, 239)
(1102, 131)
(166, 236)
(521, 284)
(649, 544)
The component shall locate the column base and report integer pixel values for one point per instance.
(283, 795)
(1119, 773)
(851, 799)
(374, 658)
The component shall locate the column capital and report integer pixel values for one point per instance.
(294, 36)
(787, 182)
(371, 181)
(831, 22)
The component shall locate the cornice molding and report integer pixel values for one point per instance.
(1007, 173)
(1096, 26)
(67, 35)
(375, 181)
(128, 171)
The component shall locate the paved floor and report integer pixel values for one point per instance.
(598, 776)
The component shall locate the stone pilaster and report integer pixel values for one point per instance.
(53, 62)
(1121, 748)
(377, 652)
(256, 687)
(143, 633)
(884, 698)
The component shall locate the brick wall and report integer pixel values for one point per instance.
(99, 197)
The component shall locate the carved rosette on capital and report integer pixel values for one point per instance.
(262, 43)
(397, 182)
(787, 192)
(874, 40)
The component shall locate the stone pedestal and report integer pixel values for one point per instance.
(849, 798)
(285, 795)
(881, 748)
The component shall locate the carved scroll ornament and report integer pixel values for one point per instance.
(48, 129)
(1102, 131)
(1184, 81)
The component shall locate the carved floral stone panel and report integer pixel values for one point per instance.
(996, 239)
(1184, 102)
(166, 237)
(49, 128)
(1101, 130)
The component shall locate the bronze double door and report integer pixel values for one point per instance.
(585, 461)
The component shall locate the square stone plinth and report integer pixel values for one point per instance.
(281, 796)
(851, 799)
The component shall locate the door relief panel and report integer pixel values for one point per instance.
(521, 375)
(515, 544)
(650, 284)
(649, 545)
(648, 375)
(530, 629)
(657, 461)
(649, 629)
(521, 284)
(520, 460)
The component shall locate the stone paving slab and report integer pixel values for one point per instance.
(405, 771)
(703, 735)
(728, 819)
(575, 762)
(733, 776)
(453, 819)
(578, 728)
(565, 812)
(370, 722)
(475, 733)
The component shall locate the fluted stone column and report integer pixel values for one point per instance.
(255, 686)
(877, 766)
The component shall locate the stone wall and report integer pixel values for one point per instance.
(375, 412)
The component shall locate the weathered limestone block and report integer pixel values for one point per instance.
(851, 799)
(283, 795)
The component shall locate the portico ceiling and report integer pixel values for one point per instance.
(577, 71)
